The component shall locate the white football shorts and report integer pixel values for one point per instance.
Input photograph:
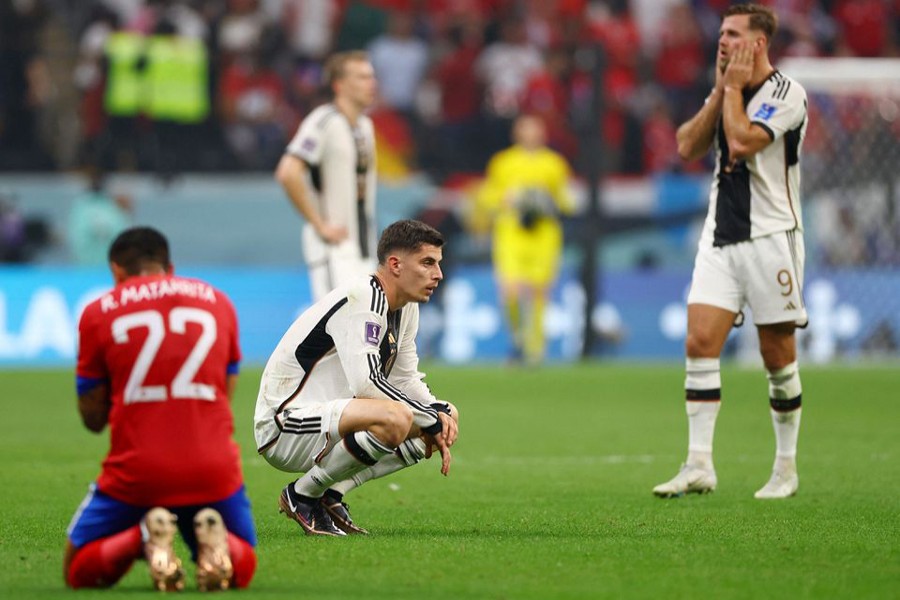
(764, 273)
(332, 265)
(308, 431)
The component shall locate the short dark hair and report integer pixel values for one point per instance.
(762, 18)
(408, 235)
(336, 65)
(136, 248)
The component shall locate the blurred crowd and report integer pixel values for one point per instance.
(213, 85)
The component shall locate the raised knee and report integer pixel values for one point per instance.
(398, 421)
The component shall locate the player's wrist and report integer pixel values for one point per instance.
(434, 429)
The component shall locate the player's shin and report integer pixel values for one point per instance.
(357, 452)
(407, 454)
(785, 395)
(703, 392)
(534, 342)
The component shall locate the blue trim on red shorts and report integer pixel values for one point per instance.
(101, 516)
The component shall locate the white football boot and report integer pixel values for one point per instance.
(690, 480)
(782, 484)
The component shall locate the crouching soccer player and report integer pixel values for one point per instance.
(157, 360)
(341, 398)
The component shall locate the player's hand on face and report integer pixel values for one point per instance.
(740, 67)
(721, 65)
(333, 234)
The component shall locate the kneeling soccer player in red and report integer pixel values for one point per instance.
(157, 360)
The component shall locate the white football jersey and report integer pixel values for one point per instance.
(341, 162)
(761, 195)
(346, 345)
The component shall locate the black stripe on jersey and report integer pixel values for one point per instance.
(315, 177)
(733, 199)
(780, 83)
(381, 382)
(299, 423)
(781, 90)
(318, 342)
(311, 350)
(379, 299)
(302, 430)
(792, 144)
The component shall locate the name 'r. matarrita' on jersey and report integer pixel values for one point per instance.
(153, 290)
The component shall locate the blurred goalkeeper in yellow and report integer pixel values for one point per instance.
(526, 192)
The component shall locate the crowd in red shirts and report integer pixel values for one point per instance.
(453, 73)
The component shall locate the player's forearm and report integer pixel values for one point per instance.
(93, 406)
(290, 175)
(230, 386)
(695, 136)
(737, 125)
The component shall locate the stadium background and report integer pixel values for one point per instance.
(550, 491)
(453, 74)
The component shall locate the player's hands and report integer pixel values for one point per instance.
(740, 67)
(332, 234)
(721, 65)
(443, 441)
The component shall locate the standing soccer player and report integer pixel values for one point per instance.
(341, 398)
(526, 189)
(751, 249)
(328, 172)
(157, 360)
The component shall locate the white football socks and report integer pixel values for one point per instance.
(356, 452)
(703, 391)
(408, 453)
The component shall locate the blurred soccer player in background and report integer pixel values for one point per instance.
(328, 172)
(526, 190)
(158, 360)
(751, 250)
(341, 398)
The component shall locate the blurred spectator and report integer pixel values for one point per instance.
(547, 95)
(660, 147)
(309, 27)
(13, 240)
(865, 27)
(20, 237)
(96, 218)
(400, 60)
(503, 69)
(24, 86)
(253, 110)
(242, 28)
(681, 62)
(611, 25)
(175, 82)
(460, 99)
(90, 79)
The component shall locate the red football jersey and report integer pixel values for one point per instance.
(165, 345)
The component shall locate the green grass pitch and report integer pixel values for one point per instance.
(548, 496)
